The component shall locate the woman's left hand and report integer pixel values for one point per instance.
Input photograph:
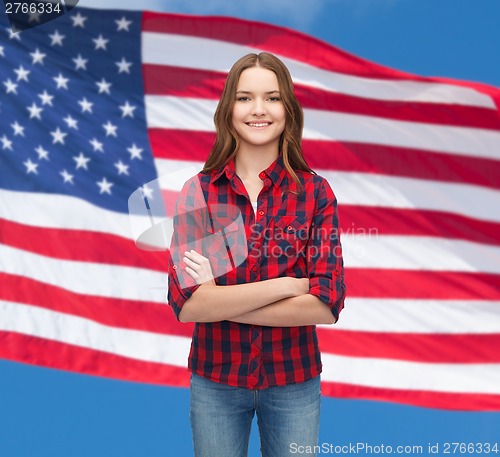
(199, 268)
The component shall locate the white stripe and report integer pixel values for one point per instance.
(419, 316)
(61, 212)
(85, 277)
(216, 55)
(169, 112)
(419, 253)
(173, 350)
(435, 377)
(367, 189)
(65, 328)
(370, 189)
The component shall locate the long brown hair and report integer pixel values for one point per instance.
(227, 142)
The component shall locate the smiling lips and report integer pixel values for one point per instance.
(258, 124)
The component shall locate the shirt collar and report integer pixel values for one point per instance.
(276, 171)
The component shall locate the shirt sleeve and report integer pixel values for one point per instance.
(189, 230)
(324, 252)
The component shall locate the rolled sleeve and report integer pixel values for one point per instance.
(189, 229)
(325, 263)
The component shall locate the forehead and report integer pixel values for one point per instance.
(258, 79)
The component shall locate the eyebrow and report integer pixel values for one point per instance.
(269, 92)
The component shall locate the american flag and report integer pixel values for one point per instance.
(97, 104)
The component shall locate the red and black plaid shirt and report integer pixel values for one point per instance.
(289, 235)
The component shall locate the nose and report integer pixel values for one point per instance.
(259, 108)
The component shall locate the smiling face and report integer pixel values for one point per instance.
(258, 113)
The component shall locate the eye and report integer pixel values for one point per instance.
(274, 99)
(242, 99)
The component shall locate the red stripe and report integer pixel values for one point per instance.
(32, 350)
(195, 146)
(372, 283)
(208, 84)
(52, 354)
(278, 40)
(80, 245)
(441, 400)
(114, 312)
(374, 221)
(288, 43)
(415, 347)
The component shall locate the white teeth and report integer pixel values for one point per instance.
(259, 125)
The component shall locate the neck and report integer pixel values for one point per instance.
(249, 162)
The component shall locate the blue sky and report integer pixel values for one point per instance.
(52, 413)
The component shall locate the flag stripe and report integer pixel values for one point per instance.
(395, 192)
(483, 378)
(211, 54)
(432, 348)
(53, 354)
(347, 156)
(208, 84)
(420, 316)
(79, 245)
(372, 283)
(169, 112)
(445, 400)
(85, 277)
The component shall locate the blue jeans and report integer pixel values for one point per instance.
(221, 418)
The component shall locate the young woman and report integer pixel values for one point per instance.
(256, 263)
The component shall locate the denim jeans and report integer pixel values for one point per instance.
(221, 418)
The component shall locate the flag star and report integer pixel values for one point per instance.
(10, 86)
(79, 20)
(67, 177)
(123, 24)
(110, 129)
(147, 191)
(86, 105)
(122, 168)
(80, 62)
(37, 56)
(18, 129)
(42, 153)
(135, 152)
(123, 66)
(81, 161)
(58, 136)
(31, 167)
(72, 123)
(127, 110)
(97, 145)
(22, 74)
(46, 98)
(61, 81)
(104, 186)
(35, 111)
(56, 38)
(6, 143)
(13, 35)
(100, 42)
(1, 51)
(103, 86)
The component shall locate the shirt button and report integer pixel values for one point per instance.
(289, 228)
(175, 267)
(261, 213)
(262, 175)
(254, 268)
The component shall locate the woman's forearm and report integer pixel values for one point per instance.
(211, 303)
(305, 309)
